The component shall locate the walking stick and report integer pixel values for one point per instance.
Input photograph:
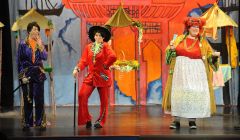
(74, 105)
(19, 86)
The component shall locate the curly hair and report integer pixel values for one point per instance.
(194, 21)
(30, 26)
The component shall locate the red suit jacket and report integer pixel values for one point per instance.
(99, 74)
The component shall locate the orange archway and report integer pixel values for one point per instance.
(160, 18)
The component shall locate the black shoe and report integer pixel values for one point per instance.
(88, 124)
(26, 127)
(192, 125)
(97, 125)
(41, 127)
(175, 125)
(237, 127)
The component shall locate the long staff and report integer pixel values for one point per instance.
(74, 105)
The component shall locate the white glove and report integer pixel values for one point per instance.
(75, 72)
(114, 67)
(25, 80)
(216, 54)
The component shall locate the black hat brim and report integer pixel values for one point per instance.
(93, 29)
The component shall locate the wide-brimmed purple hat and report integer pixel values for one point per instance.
(102, 30)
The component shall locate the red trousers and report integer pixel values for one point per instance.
(83, 95)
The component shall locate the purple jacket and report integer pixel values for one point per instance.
(26, 67)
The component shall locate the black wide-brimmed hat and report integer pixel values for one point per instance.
(104, 32)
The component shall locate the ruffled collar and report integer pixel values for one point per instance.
(96, 48)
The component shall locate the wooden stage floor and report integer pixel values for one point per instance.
(125, 123)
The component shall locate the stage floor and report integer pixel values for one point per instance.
(125, 122)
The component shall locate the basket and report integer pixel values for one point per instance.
(125, 65)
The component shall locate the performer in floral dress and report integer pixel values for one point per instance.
(189, 91)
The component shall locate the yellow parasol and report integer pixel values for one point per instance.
(215, 18)
(30, 16)
(119, 19)
(1, 24)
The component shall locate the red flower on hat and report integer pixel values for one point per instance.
(194, 21)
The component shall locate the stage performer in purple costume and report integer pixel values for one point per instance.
(31, 52)
(98, 56)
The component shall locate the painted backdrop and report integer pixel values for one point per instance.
(72, 19)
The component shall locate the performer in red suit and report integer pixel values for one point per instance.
(98, 57)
